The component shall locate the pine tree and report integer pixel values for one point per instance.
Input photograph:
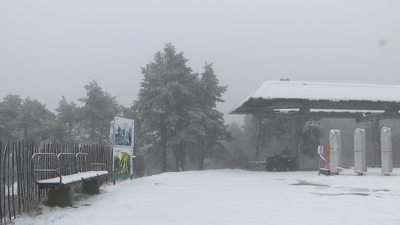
(150, 110)
(10, 108)
(212, 122)
(267, 130)
(172, 107)
(68, 120)
(99, 109)
(35, 122)
(165, 104)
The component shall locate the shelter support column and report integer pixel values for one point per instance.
(294, 136)
(376, 156)
(335, 153)
(386, 152)
(360, 153)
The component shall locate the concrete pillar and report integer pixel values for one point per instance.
(386, 150)
(91, 186)
(360, 152)
(335, 141)
(61, 197)
(294, 136)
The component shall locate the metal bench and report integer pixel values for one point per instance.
(59, 172)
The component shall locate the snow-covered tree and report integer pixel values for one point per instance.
(310, 135)
(213, 130)
(68, 120)
(99, 109)
(26, 119)
(10, 108)
(165, 104)
(173, 110)
(265, 132)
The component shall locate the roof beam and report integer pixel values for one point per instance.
(349, 105)
(388, 114)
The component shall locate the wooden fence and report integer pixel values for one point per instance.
(19, 194)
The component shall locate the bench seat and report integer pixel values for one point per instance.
(73, 178)
(60, 186)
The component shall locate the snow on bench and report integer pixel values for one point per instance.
(73, 178)
(59, 172)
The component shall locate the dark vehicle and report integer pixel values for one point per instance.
(281, 163)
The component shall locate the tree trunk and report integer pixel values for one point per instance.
(163, 147)
(93, 129)
(101, 132)
(258, 138)
(70, 132)
(180, 157)
(201, 162)
(183, 157)
(180, 154)
(176, 157)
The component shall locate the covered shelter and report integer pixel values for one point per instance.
(292, 100)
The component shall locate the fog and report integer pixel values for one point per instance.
(53, 48)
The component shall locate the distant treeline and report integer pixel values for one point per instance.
(175, 115)
(30, 120)
(176, 120)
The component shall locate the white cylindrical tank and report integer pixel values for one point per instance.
(360, 153)
(335, 141)
(386, 150)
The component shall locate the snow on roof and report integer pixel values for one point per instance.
(327, 91)
(333, 111)
(317, 91)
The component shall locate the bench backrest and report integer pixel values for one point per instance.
(50, 165)
(44, 161)
(82, 162)
(66, 163)
(44, 166)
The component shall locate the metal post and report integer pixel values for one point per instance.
(360, 157)
(387, 151)
(294, 138)
(335, 154)
(377, 142)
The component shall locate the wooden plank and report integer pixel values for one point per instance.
(23, 180)
(8, 181)
(1, 184)
(12, 181)
(19, 183)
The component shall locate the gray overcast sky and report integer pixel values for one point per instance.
(54, 48)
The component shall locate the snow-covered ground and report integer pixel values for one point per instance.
(237, 197)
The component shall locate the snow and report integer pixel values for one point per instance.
(327, 91)
(332, 111)
(237, 197)
(74, 177)
(10, 189)
(319, 91)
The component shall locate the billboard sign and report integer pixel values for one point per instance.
(123, 147)
(123, 131)
(123, 162)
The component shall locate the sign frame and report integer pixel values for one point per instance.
(122, 162)
(123, 147)
(123, 132)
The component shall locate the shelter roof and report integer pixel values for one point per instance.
(346, 100)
